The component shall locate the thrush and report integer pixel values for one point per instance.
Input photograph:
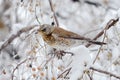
(62, 39)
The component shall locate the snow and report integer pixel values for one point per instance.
(79, 17)
(81, 61)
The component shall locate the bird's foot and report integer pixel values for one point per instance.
(60, 53)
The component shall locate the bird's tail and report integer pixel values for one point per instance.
(96, 42)
(87, 39)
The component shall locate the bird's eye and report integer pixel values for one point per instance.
(43, 30)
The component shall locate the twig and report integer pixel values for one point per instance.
(36, 16)
(97, 54)
(91, 31)
(105, 72)
(47, 61)
(14, 36)
(54, 15)
(111, 23)
(96, 4)
(18, 66)
(89, 76)
(60, 53)
(92, 3)
(81, 77)
(85, 72)
(67, 70)
(99, 48)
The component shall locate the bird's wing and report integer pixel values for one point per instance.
(59, 32)
(67, 34)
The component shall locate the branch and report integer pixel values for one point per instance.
(96, 4)
(14, 36)
(92, 3)
(105, 72)
(89, 76)
(54, 15)
(111, 23)
(18, 66)
(36, 16)
(67, 70)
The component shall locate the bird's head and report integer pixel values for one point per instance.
(46, 29)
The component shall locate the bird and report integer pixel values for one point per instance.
(62, 39)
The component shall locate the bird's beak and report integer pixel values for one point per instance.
(37, 31)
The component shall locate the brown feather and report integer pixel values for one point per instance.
(67, 34)
(71, 35)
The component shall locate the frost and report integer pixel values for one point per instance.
(27, 57)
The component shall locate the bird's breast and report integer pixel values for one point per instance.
(61, 43)
(49, 40)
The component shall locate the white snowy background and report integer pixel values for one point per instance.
(27, 56)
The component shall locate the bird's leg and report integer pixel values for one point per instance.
(60, 53)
